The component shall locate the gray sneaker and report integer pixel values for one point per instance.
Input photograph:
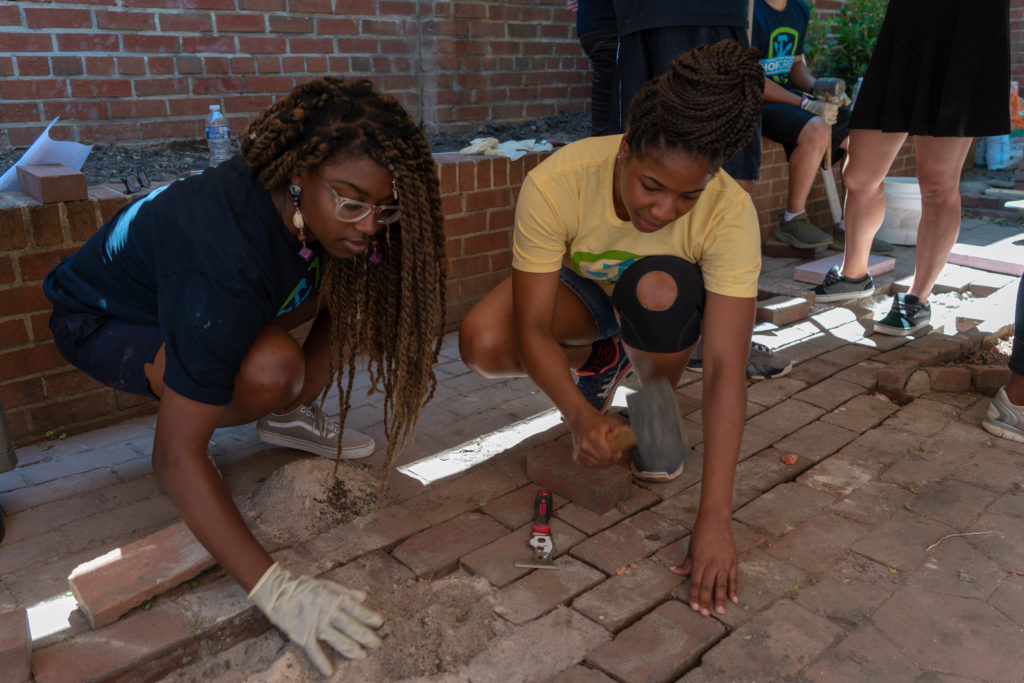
(308, 429)
(907, 316)
(763, 363)
(837, 287)
(1004, 419)
(800, 232)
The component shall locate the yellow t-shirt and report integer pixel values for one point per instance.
(565, 214)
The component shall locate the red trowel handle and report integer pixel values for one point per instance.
(542, 513)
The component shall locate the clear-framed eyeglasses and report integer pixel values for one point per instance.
(353, 210)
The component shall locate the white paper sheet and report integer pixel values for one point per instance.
(46, 150)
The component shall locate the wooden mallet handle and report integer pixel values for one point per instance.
(621, 439)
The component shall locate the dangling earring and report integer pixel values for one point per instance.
(305, 252)
(375, 254)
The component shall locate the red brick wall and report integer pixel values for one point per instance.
(42, 392)
(142, 70)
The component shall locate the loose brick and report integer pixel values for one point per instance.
(48, 183)
(590, 523)
(782, 310)
(496, 561)
(541, 591)
(597, 489)
(15, 646)
(112, 584)
(436, 551)
(659, 647)
(951, 379)
(634, 539)
(988, 379)
(622, 599)
(814, 272)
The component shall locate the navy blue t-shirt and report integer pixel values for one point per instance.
(638, 15)
(208, 259)
(780, 37)
(592, 15)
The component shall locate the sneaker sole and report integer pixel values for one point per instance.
(782, 373)
(1002, 431)
(843, 296)
(794, 242)
(655, 476)
(899, 331)
(307, 447)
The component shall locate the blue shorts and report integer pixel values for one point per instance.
(593, 297)
(111, 351)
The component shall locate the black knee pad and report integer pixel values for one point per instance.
(674, 329)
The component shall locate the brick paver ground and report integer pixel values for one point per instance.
(890, 548)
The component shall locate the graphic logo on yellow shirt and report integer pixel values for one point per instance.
(606, 266)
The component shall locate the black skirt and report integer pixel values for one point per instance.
(940, 68)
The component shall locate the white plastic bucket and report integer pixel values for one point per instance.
(902, 211)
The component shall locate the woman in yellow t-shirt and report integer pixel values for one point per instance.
(626, 250)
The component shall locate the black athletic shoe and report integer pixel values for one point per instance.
(907, 316)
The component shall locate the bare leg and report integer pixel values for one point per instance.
(939, 162)
(487, 336)
(868, 159)
(804, 163)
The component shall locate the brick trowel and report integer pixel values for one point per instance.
(540, 534)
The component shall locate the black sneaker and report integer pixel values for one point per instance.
(762, 363)
(599, 386)
(906, 316)
(837, 287)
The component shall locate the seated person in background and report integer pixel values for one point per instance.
(801, 123)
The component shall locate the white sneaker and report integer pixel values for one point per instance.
(308, 429)
(1004, 419)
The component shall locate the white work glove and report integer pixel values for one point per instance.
(826, 110)
(309, 609)
(832, 90)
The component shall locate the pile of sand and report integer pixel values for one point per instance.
(304, 498)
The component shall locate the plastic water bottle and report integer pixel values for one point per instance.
(218, 136)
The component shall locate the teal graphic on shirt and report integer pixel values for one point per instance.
(605, 267)
(307, 285)
(782, 46)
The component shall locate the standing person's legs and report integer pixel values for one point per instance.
(869, 157)
(601, 46)
(1005, 417)
(939, 163)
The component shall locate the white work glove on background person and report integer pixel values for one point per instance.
(826, 110)
(309, 609)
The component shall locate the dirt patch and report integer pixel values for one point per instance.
(169, 160)
(303, 499)
(995, 353)
(432, 630)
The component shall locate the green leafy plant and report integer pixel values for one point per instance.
(840, 45)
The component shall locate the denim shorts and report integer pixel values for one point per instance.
(111, 351)
(593, 297)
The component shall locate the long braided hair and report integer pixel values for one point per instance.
(707, 104)
(393, 312)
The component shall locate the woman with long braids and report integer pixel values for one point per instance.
(331, 214)
(627, 249)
